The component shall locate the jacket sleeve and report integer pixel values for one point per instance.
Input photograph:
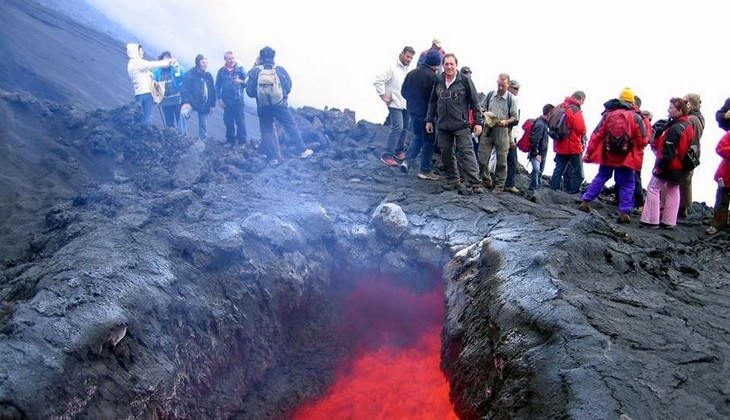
(474, 102)
(641, 137)
(671, 142)
(538, 134)
(219, 82)
(285, 80)
(381, 79)
(185, 96)
(723, 146)
(431, 114)
(252, 81)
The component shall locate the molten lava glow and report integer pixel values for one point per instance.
(395, 373)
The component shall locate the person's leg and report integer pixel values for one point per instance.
(652, 204)
(502, 146)
(269, 140)
(575, 181)
(671, 205)
(722, 201)
(395, 117)
(239, 118)
(511, 167)
(401, 146)
(543, 161)
(638, 190)
(168, 113)
(486, 143)
(228, 117)
(685, 194)
(596, 186)
(446, 143)
(145, 102)
(534, 175)
(283, 115)
(203, 125)
(427, 150)
(467, 159)
(625, 186)
(556, 180)
(414, 149)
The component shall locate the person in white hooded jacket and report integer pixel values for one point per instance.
(140, 73)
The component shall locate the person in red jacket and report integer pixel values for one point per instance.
(568, 151)
(722, 176)
(619, 164)
(671, 147)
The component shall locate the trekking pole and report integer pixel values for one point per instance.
(162, 116)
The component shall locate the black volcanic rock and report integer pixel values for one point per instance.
(145, 275)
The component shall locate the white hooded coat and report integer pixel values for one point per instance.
(140, 70)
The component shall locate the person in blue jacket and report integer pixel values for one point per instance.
(172, 76)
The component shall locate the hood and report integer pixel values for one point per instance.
(617, 103)
(133, 51)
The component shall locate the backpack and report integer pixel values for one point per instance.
(618, 131)
(557, 123)
(691, 159)
(268, 87)
(157, 89)
(524, 143)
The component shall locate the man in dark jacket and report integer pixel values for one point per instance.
(539, 142)
(198, 91)
(229, 86)
(451, 99)
(416, 90)
(279, 111)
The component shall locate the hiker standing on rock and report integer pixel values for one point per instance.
(452, 97)
(568, 151)
(140, 73)
(199, 92)
(698, 124)
(270, 85)
(172, 77)
(230, 84)
(616, 145)
(722, 177)
(388, 86)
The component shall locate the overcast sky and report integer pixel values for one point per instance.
(333, 49)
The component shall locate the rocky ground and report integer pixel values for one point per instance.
(150, 275)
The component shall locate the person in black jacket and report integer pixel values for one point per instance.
(416, 90)
(452, 97)
(229, 86)
(539, 142)
(198, 91)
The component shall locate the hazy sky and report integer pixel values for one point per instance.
(333, 49)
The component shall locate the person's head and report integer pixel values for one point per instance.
(450, 63)
(637, 101)
(579, 96)
(514, 87)
(166, 55)
(229, 58)
(502, 83)
(677, 107)
(647, 114)
(267, 55)
(433, 59)
(201, 62)
(466, 71)
(693, 101)
(406, 56)
(435, 44)
(547, 109)
(626, 95)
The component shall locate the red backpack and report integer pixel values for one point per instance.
(524, 143)
(618, 131)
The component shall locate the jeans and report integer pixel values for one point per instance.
(624, 185)
(203, 125)
(145, 101)
(511, 167)
(422, 143)
(235, 121)
(398, 130)
(574, 180)
(538, 167)
(269, 138)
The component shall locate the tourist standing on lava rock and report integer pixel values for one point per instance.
(270, 85)
(452, 96)
(172, 77)
(388, 86)
(229, 84)
(140, 73)
(199, 92)
(722, 177)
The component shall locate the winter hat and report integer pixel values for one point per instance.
(433, 58)
(198, 59)
(267, 54)
(627, 95)
(514, 84)
(436, 42)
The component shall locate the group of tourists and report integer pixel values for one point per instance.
(474, 136)
(177, 93)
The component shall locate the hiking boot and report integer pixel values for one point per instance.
(452, 185)
(400, 155)
(487, 184)
(463, 190)
(428, 176)
(497, 190)
(477, 190)
(389, 160)
(306, 153)
(623, 218)
(512, 189)
(585, 206)
(404, 167)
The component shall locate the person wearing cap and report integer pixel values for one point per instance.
(140, 74)
(452, 95)
(509, 183)
(435, 46)
(568, 165)
(416, 90)
(698, 124)
(388, 85)
(279, 112)
(198, 90)
(502, 103)
(619, 165)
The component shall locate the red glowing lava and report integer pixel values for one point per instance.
(395, 372)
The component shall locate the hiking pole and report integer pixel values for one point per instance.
(162, 116)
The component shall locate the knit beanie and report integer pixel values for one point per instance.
(433, 58)
(627, 95)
